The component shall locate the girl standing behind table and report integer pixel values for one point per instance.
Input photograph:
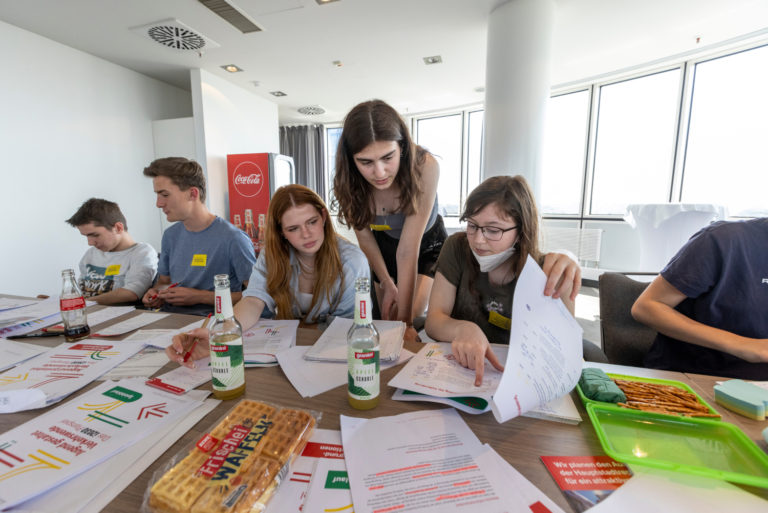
(471, 301)
(305, 271)
(386, 189)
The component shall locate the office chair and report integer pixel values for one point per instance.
(625, 341)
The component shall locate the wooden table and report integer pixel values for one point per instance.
(521, 441)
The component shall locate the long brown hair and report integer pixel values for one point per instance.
(513, 197)
(278, 253)
(370, 122)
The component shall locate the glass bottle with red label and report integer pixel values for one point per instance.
(261, 234)
(72, 305)
(238, 222)
(363, 352)
(226, 345)
(250, 229)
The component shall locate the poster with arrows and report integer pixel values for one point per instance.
(55, 374)
(60, 444)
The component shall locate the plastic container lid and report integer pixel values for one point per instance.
(695, 446)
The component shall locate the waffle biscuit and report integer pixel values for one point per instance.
(244, 491)
(183, 490)
(180, 487)
(288, 434)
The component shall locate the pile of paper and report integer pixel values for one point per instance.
(542, 362)
(331, 346)
(430, 461)
(59, 445)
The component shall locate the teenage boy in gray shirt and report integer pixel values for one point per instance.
(197, 247)
(115, 269)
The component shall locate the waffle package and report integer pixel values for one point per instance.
(237, 466)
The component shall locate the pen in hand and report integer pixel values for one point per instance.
(192, 346)
(154, 296)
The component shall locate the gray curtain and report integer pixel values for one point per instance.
(305, 144)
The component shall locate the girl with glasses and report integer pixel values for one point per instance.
(471, 300)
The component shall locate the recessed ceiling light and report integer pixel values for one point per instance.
(435, 59)
(323, 2)
(277, 93)
(231, 68)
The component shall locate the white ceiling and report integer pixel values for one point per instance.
(381, 43)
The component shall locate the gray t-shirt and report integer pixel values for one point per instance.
(488, 306)
(104, 271)
(191, 259)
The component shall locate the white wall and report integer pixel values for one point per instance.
(72, 126)
(228, 120)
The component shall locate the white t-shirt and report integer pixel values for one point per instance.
(133, 269)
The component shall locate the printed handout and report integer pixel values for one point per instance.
(431, 461)
(262, 341)
(60, 444)
(60, 371)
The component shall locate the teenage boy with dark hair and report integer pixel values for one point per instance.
(115, 269)
(198, 247)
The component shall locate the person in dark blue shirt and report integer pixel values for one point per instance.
(710, 304)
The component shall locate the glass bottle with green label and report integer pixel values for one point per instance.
(363, 352)
(226, 344)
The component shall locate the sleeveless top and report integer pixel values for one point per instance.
(396, 220)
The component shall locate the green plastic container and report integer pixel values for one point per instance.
(695, 446)
(678, 384)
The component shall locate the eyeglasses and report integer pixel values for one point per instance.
(489, 232)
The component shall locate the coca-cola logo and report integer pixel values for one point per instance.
(248, 179)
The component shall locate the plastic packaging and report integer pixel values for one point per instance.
(235, 467)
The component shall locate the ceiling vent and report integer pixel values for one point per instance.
(174, 34)
(311, 110)
(231, 15)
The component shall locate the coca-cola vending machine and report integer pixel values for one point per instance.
(253, 177)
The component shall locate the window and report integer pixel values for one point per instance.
(635, 142)
(331, 143)
(726, 154)
(474, 151)
(565, 146)
(442, 136)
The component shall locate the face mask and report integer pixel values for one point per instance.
(490, 262)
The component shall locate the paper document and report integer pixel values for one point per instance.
(66, 441)
(160, 338)
(130, 324)
(430, 461)
(332, 344)
(545, 349)
(100, 316)
(32, 311)
(311, 378)
(672, 492)
(323, 446)
(266, 338)
(30, 326)
(141, 365)
(7, 303)
(94, 489)
(183, 379)
(13, 353)
(62, 370)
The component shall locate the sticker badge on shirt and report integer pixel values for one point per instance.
(112, 270)
(199, 260)
(380, 227)
(499, 320)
